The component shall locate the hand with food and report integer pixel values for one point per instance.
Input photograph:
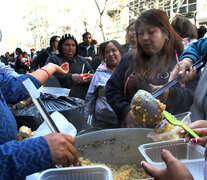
(175, 169)
(87, 80)
(63, 149)
(77, 79)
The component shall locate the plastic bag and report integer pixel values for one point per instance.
(62, 124)
(70, 107)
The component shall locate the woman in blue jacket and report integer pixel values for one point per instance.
(21, 158)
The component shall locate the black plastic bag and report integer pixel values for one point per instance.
(72, 108)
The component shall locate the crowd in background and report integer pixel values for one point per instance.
(107, 75)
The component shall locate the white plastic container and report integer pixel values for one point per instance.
(97, 172)
(191, 155)
(183, 117)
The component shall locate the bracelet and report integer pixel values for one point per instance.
(46, 72)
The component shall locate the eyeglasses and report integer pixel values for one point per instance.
(56, 41)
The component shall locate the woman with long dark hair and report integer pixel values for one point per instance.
(157, 50)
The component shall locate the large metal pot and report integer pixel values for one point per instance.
(114, 146)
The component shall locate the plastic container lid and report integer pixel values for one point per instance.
(183, 117)
(191, 155)
(97, 172)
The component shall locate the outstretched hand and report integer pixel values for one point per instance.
(63, 69)
(174, 170)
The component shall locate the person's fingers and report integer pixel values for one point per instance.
(151, 170)
(200, 141)
(72, 148)
(198, 124)
(167, 157)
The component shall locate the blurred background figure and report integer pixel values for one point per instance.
(6, 59)
(96, 104)
(185, 29)
(201, 31)
(20, 67)
(130, 38)
(32, 54)
(42, 56)
(27, 61)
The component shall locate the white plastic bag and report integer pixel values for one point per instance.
(62, 124)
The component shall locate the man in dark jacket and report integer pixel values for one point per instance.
(86, 48)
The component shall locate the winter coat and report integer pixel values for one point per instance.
(96, 102)
(40, 60)
(82, 51)
(18, 159)
(75, 65)
(199, 106)
(120, 89)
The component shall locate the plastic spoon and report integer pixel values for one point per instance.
(172, 120)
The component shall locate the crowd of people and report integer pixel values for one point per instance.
(106, 77)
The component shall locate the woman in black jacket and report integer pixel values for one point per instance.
(67, 48)
(157, 51)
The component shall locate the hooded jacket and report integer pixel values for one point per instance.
(96, 102)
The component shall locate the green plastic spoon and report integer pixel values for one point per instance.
(172, 120)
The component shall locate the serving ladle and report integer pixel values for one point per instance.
(147, 109)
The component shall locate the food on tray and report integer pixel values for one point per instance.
(146, 109)
(166, 127)
(125, 172)
(24, 133)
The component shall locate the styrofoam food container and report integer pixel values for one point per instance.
(183, 117)
(96, 172)
(191, 155)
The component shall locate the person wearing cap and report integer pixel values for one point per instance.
(67, 48)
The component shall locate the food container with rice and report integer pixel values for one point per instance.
(166, 131)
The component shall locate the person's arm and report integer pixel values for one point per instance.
(91, 96)
(13, 89)
(67, 79)
(21, 158)
(189, 56)
(45, 72)
(175, 169)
